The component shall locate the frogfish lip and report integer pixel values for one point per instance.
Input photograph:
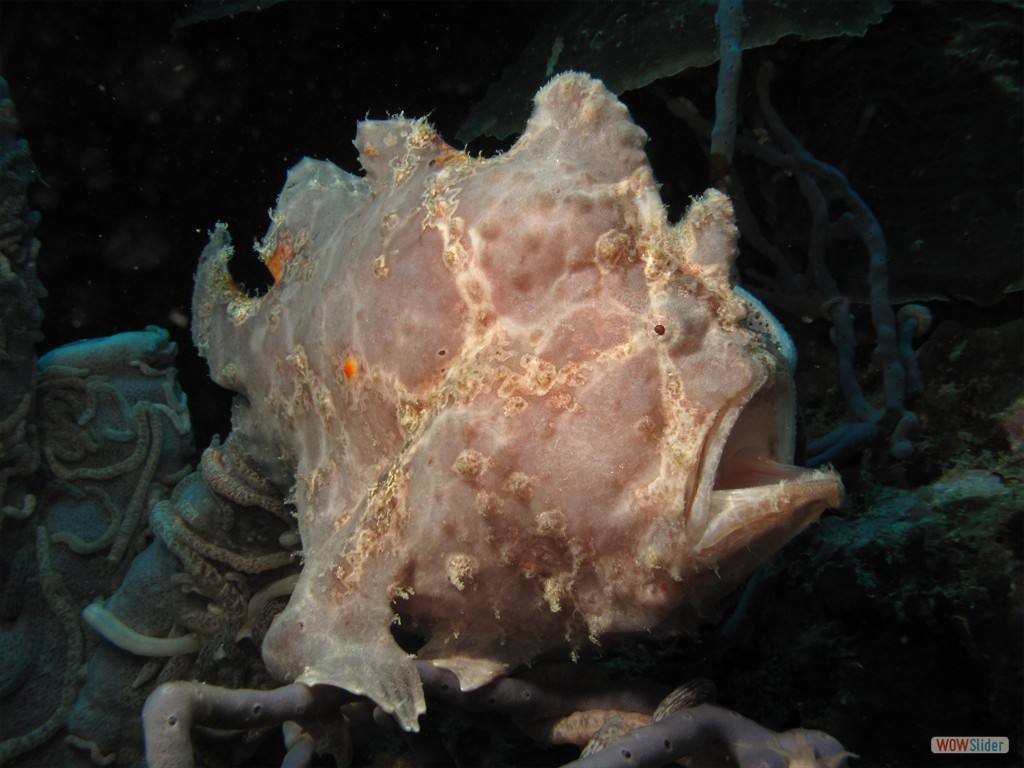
(759, 498)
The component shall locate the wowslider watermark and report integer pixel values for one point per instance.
(950, 745)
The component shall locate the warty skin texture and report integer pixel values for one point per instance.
(516, 410)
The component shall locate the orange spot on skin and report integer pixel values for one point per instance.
(281, 256)
(350, 368)
(447, 155)
(371, 151)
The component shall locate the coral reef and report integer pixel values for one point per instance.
(115, 437)
(20, 315)
(905, 601)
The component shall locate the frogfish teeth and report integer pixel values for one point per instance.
(517, 410)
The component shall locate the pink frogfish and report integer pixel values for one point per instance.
(518, 412)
